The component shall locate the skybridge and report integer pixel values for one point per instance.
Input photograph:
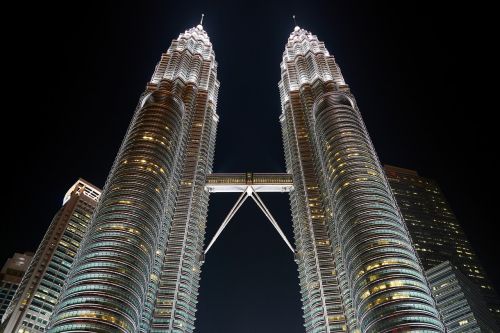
(238, 182)
(249, 185)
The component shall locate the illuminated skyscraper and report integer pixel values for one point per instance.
(357, 266)
(436, 233)
(10, 276)
(40, 287)
(139, 267)
(190, 63)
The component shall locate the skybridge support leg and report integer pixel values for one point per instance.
(248, 192)
(228, 218)
(266, 212)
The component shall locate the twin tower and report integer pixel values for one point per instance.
(138, 268)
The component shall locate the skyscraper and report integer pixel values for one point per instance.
(40, 287)
(190, 58)
(138, 269)
(357, 266)
(459, 301)
(436, 233)
(10, 276)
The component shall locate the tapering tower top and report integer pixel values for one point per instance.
(299, 35)
(190, 59)
(199, 36)
(306, 60)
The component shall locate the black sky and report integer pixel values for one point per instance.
(421, 75)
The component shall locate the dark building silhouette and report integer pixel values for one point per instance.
(435, 231)
(10, 276)
(459, 301)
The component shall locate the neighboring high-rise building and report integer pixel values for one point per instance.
(10, 276)
(459, 301)
(435, 231)
(40, 287)
(357, 266)
(138, 270)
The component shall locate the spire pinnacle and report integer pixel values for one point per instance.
(200, 26)
(295, 21)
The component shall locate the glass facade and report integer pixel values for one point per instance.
(41, 286)
(7, 290)
(138, 268)
(459, 301)
(10, 277)
(436, 232)
(358, 269)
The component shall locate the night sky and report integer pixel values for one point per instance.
(420, 73)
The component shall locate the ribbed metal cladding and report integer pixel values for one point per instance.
(388, 286)
(191, 58)
(323, 304)
(357, 267)
(317, 273)
(106, 290)
(138, 268)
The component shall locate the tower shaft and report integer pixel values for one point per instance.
(179, 280)
(146, 225)
(357, 266)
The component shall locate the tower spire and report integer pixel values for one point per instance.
(296, 28)
(200, 26)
